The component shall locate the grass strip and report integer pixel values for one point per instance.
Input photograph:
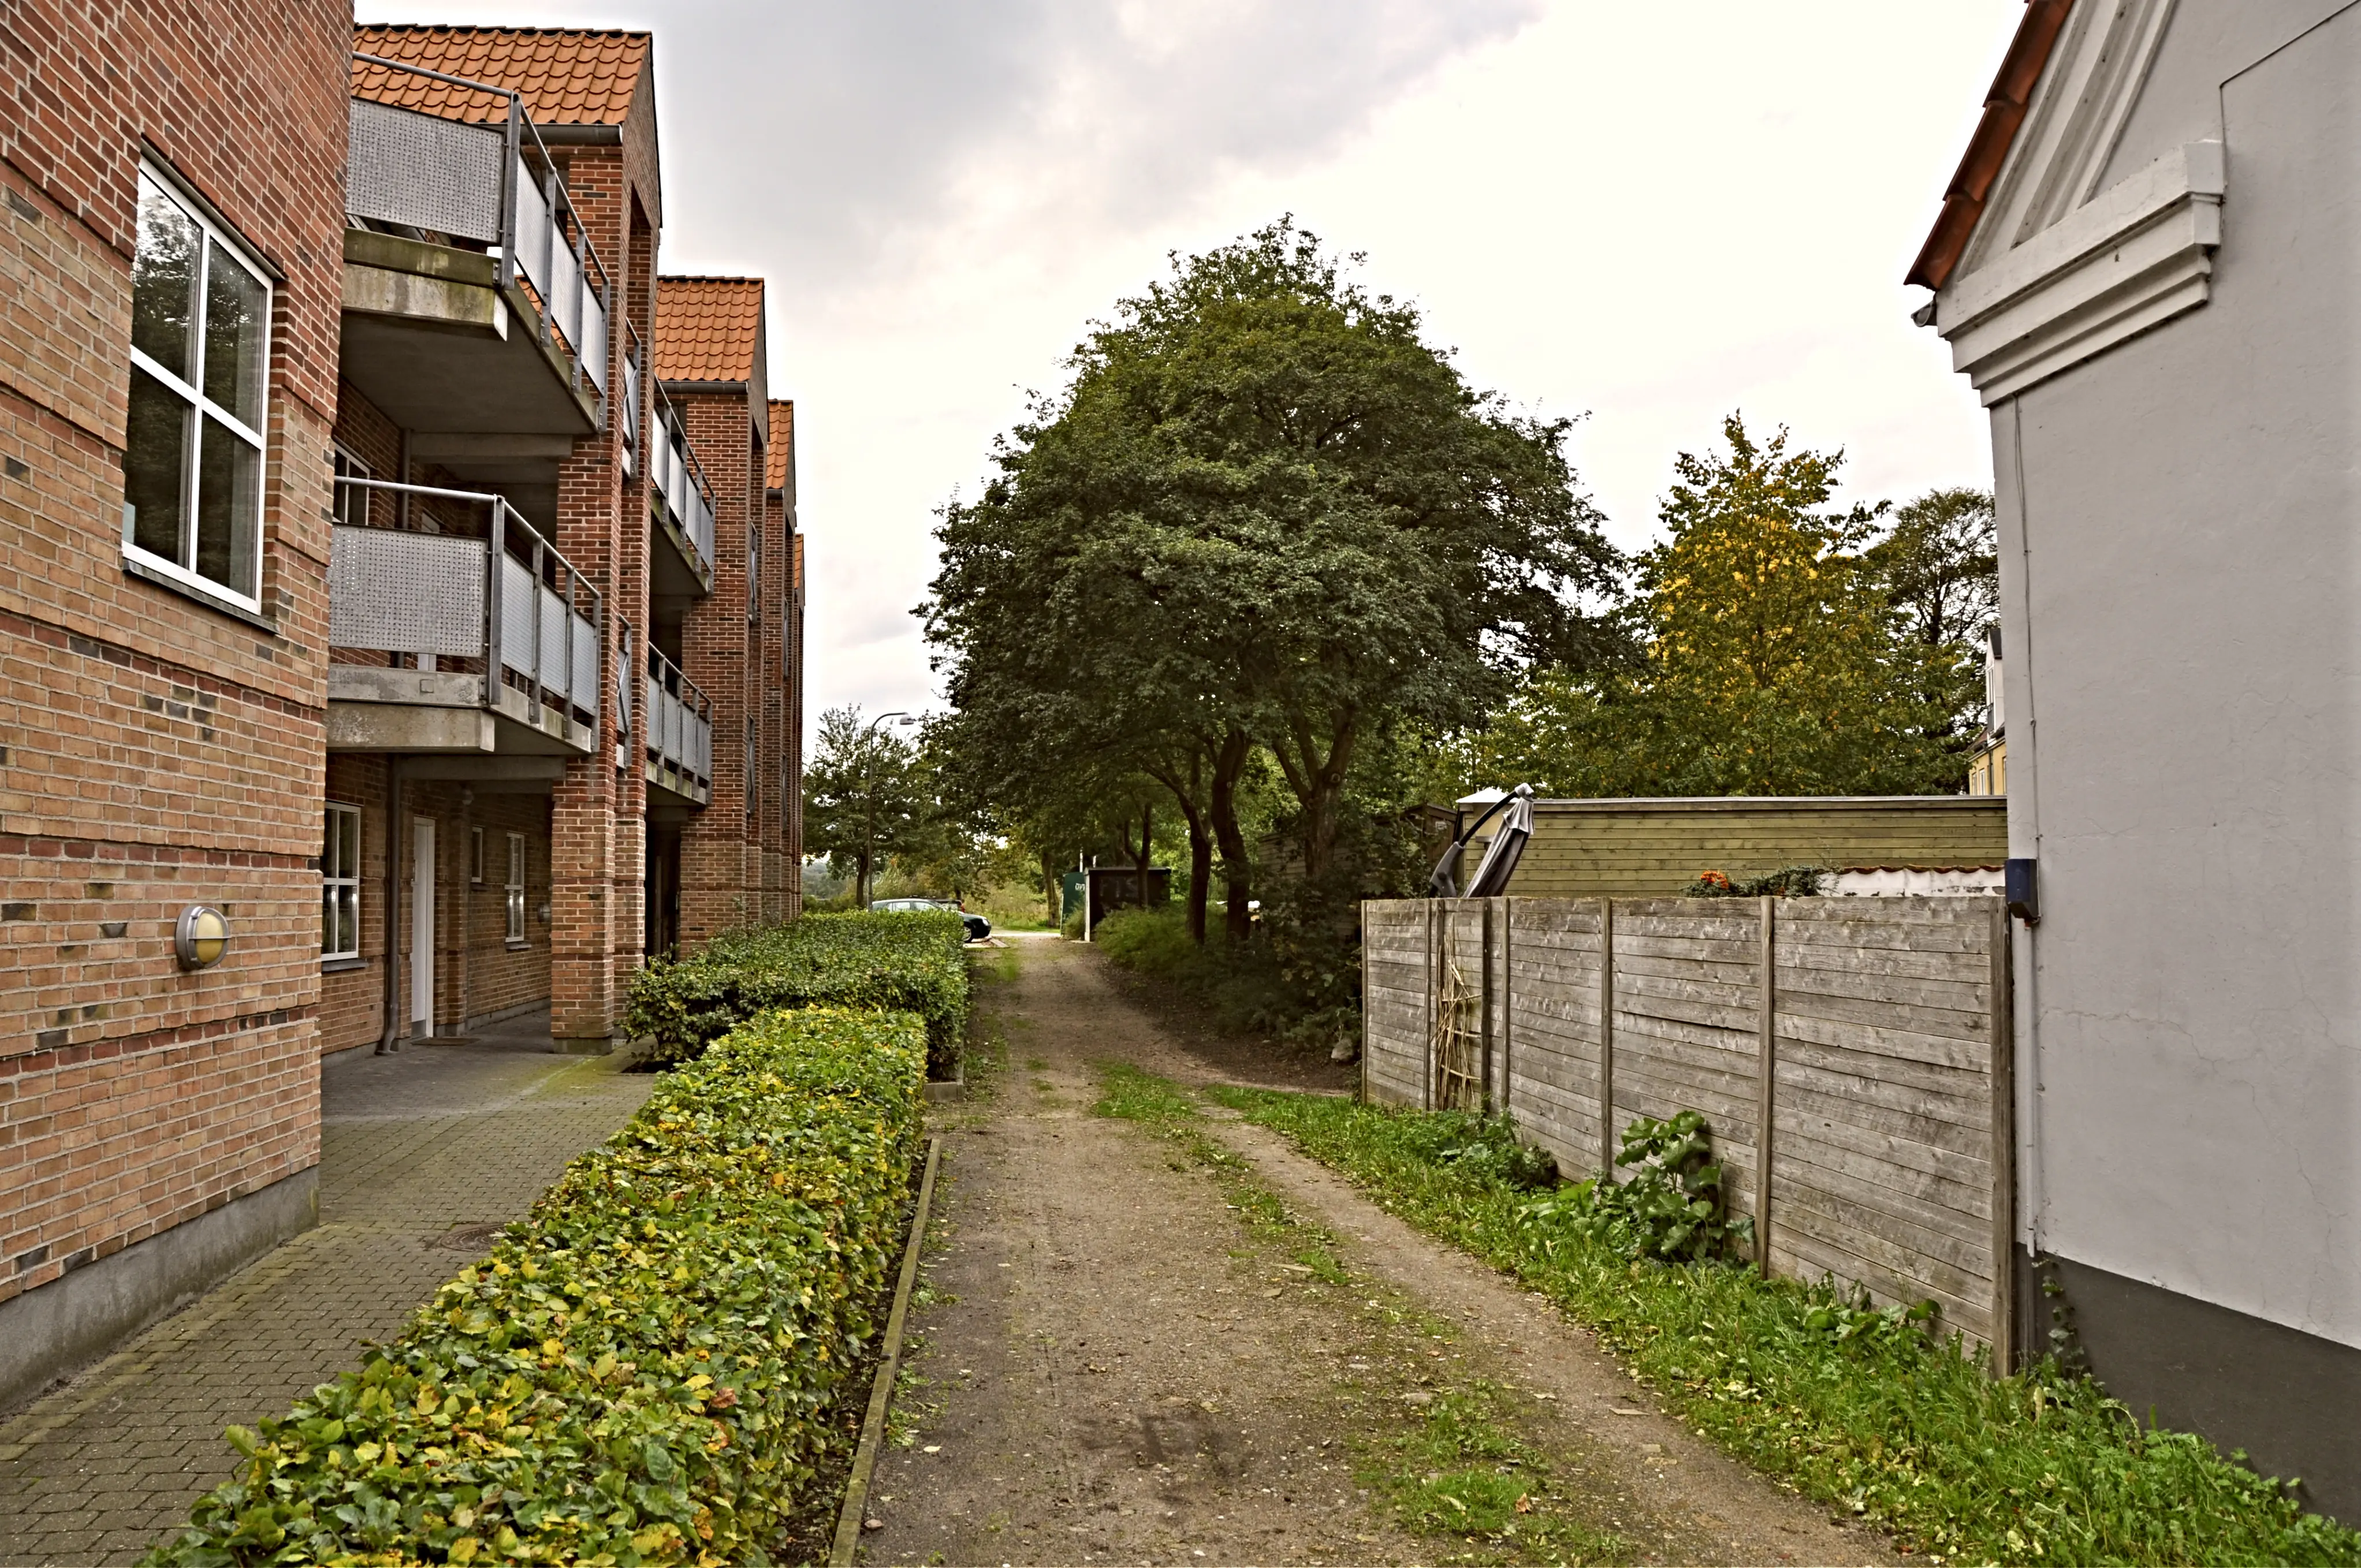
(1453, 1467)
(1899, 1429)
(643, 1371)
(902, 962)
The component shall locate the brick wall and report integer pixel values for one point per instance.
(157, 753)
(477, 974)
(721, 870)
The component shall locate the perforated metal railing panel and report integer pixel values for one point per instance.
(429, 173)
(405, 593)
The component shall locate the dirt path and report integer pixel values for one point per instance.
(1123, 1364)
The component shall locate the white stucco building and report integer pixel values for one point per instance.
(2149, 265)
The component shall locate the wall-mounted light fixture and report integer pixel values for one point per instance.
(202, 936)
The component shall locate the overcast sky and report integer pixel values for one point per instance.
(1646, 215)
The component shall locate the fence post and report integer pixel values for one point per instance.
(1766, 1036)
(1607, 1040)
(2004, 1146)
(1361, 1092)
(1426, 1046)
(1507, 1000)
(1487, 1007)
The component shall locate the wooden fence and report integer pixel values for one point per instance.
(1869, 1036)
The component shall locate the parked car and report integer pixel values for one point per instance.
(978, 927)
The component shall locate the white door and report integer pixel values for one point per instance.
(422, 925)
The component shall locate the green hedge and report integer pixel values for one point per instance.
(910, 962)
(640, 1375)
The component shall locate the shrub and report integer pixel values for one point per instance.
(909, 962)
(638, 1374)
(1670, 1210)
(1242, 987)
(1788, 882)
(1153, 941)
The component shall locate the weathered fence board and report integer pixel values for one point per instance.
(1887, 1126)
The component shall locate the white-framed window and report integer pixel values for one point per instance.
(352, 501)
(516, 887)
(340, 883)
(200, 364)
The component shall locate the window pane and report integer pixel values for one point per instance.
(351, 859)
(236, 323)
(229, 491)
(155, 464)
(328, 921)
(164, 282)
(348, 920)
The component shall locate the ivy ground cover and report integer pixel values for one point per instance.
(639, 1375)
(1852, 1408)
(908, 962)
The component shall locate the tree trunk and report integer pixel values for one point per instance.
(1237, 867)
(1319, 785)
(1146, 845)
(1200, 871)
(1049, 892)
(1189, 796)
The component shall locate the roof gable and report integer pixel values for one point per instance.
(2046, 254)
(567, 76)
(1988, 149)
(779, 457)
(708, 329)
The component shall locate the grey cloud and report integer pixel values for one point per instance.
(829, 140)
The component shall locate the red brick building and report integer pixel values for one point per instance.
(353, 532)
(782, 661)
(712, 361)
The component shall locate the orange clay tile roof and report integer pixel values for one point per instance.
(569, 76)
(707, 328)
(783, 440)
(2005, 110)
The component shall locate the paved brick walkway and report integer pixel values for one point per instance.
(415, 1146)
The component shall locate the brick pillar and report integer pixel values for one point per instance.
(593, 813)
(627, 896)
(716, 894)
(770, 826)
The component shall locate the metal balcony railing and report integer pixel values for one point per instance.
(680, 729)
(505, 602)
(630, 425)
(677, 479)
(492, 185)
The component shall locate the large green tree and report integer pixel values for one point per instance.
(1783, 653)
(1264, 513)
(867, 796)
(1939, 564)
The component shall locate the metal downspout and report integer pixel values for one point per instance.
(390, 1040)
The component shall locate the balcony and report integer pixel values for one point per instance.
(458, 631)
(474, 301)
(679, 745)
(680, 510)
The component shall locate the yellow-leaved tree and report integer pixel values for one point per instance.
(1774, 660)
